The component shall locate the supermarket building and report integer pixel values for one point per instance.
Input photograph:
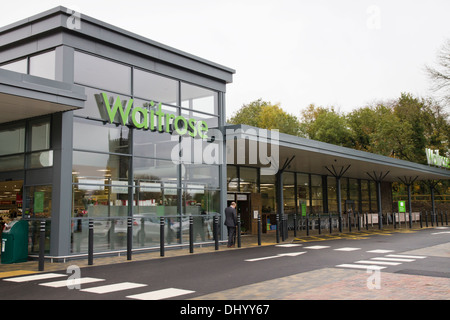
(101, 123)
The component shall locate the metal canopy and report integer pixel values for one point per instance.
(315, 157)
(23, 96)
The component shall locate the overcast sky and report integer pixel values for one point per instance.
(342, 53)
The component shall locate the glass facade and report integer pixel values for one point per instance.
(120, 170)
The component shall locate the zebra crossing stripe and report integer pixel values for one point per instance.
(393, 259)
(114, 287)
(160, 294)
(386, 263)
(63, 283)
(41, 276)
(405, 256)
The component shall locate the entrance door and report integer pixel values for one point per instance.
(243, 208)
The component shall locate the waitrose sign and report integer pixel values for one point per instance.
(434, 159)
(152, 119)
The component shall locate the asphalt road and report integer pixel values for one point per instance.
(202, 275)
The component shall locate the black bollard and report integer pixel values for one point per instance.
(216, 232)
(191, 234)
(259, 230)
(161, 236)
(239, 230)
(91, 243)
(278, 229)
(129, 237)
(41, 246)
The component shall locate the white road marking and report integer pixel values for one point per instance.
(380, 251)
(288, 245)
(160, 294)
(393, 259)
(386, 263)
(405, 256)
(360, 266)
(293, 254)
(36, 277)
(114, 287)
(347, 249)
(63, 283)
(317, 247)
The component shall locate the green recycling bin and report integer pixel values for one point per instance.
(15, 242)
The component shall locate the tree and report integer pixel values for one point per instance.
(266, 115)
(440, 75)
(325, 125)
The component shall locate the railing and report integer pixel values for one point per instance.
(99, 235)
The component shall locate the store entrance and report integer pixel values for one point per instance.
(243, 208)
(11, 195)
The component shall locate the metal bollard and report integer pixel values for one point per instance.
(129, 237)
(295, 225)
(91, 243)
(420, 219)
(239, 230)
(442, 218)
(191, 234)
(307, 224)
(330, 219)
(41, 246)
(161, 236)
(259, 230)
(359, 221)
(319, 222)
(426, 219)
(216, 232)
(278, 228)
(446, 218)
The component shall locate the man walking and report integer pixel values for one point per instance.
(231, 222)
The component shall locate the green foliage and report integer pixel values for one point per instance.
(266, 115)
(402, 128)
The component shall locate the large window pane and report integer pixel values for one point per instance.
(94, 107)
(268, 193)
(303, 192)
(97, 136)
(154, 87)
(203, 175)
(43, 65)
(101, 73)
(248, 179)
(12, 140)
(95, 167)
(154, 144)
(289, 192)
(317, 194)
(155, 170)
(199, 99)
(40, 135)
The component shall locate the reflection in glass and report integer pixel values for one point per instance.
(97, 136)
(95, 71)
(12, 140)
(199, 99)
(153, 87)
(87, 166)
(40, 135)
